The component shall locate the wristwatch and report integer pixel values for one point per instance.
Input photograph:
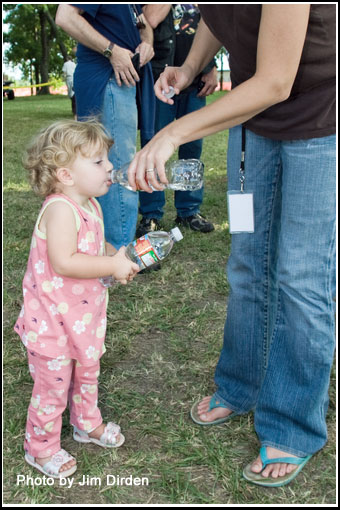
(108, 51)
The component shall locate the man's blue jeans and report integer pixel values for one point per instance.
(120, 206)
(279, 333)
(187, 203)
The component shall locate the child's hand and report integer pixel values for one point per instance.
(125, 270)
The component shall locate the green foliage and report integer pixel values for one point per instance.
(27, 23)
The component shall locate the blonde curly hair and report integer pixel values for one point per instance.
(58, 145)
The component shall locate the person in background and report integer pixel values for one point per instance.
(174, 30)
(113, 80)
(68, 71)
(279, 335)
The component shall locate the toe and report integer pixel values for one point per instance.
(275, 470)
(283, 469)
(67, 465)
(214, 414)
(203, 406)
(268, 471)
(257, 465)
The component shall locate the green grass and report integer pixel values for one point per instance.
(164, 336)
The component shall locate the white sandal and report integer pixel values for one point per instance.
(51, 468)
(108, 439)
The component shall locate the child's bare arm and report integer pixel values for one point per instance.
(60, 226)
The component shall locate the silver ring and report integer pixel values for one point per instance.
(150, 170)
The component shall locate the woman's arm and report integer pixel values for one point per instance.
(281, 38)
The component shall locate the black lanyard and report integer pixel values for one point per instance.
(242, 176)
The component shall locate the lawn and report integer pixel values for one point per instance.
(163, 340)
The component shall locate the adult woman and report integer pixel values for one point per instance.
(279, 333)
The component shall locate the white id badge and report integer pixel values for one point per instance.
(241, 212)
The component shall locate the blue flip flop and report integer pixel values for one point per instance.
(258, 479)
(212, 405)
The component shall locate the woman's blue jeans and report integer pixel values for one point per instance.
(187, 203)
(279, 333)
(120, 206)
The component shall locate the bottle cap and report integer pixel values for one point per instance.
(169, 94)
(177, 234)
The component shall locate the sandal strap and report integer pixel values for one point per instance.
(214, 402)
(288, 460)
(57, 460)
(80, 432)
(110, 433)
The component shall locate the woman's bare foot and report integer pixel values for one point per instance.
(214, 414)
(273, 470)
(67, 465)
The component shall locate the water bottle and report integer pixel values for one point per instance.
(148, 250)
(182, 175)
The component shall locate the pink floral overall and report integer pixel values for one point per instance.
(62, 324)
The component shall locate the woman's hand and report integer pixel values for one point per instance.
(149, 162)
(148, 165)
(178, 77)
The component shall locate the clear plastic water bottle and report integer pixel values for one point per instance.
(182, 175)
(148, 250)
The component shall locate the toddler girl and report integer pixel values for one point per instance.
(63, 319)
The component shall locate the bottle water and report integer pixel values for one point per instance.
(182, 175)
(148, 250)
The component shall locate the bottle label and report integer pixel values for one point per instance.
(145, 251)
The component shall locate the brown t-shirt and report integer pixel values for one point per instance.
(309, 112)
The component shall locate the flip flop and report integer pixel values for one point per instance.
(212, 405)
(258, 479)
(108, 439)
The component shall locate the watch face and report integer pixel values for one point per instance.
(108, 51)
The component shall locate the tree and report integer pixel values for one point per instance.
(220, 55)
(37, 45)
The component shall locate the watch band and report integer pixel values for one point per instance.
(108, 51)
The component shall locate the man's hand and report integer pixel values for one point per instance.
(146, 52)
(210, 83)
(123, 66)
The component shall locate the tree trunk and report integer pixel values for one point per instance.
(44, 52)
(37, 76)
(221, 75)
(31, 77)
(56, 33)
